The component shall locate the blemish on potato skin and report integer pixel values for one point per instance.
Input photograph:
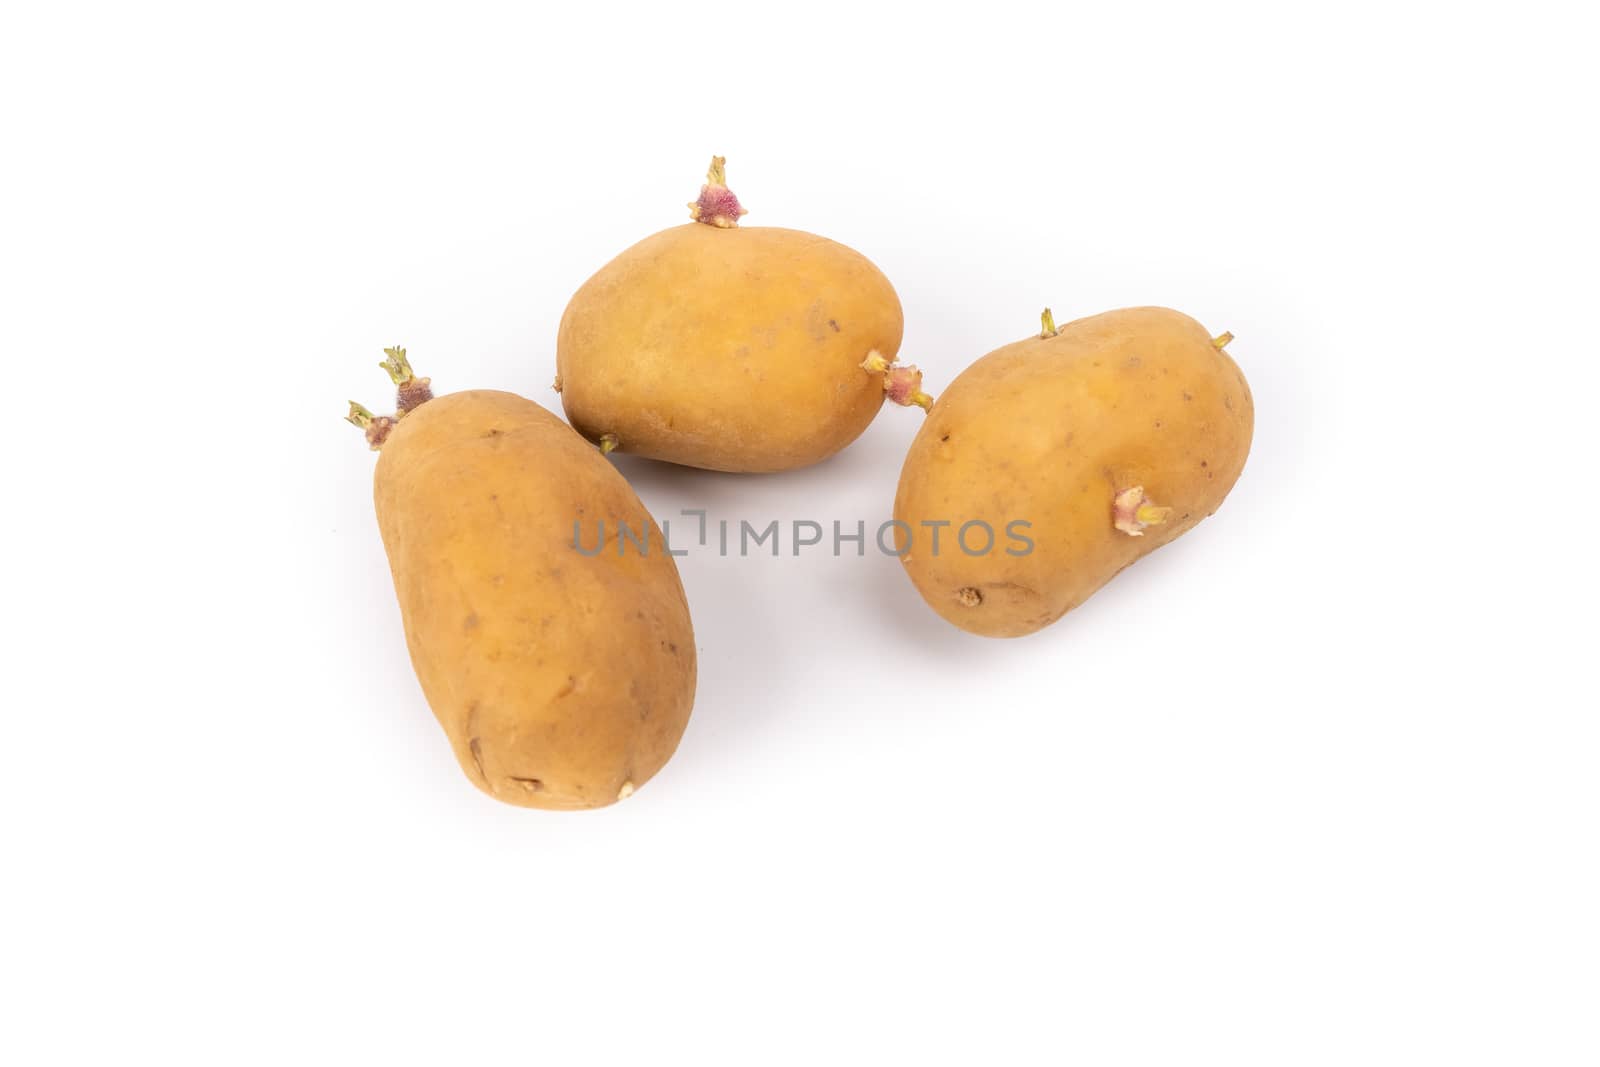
(834, 325)
(969, 597)
(470, 623)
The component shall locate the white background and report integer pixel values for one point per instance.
(1316, 785)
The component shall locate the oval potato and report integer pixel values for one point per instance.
(562, 680)
(1127, 416)
(733, 349)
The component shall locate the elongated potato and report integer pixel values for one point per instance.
(563, 680)
(1104, 440)
(731, 348)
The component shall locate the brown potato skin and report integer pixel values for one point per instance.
(733, 349)
(557, 677)
(1049, 430)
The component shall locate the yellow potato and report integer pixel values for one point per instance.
(731, 348)
(1081, 450)
(563, 680)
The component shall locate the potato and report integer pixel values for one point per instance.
(563, 680)
(735, 349)
(1081, 450)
